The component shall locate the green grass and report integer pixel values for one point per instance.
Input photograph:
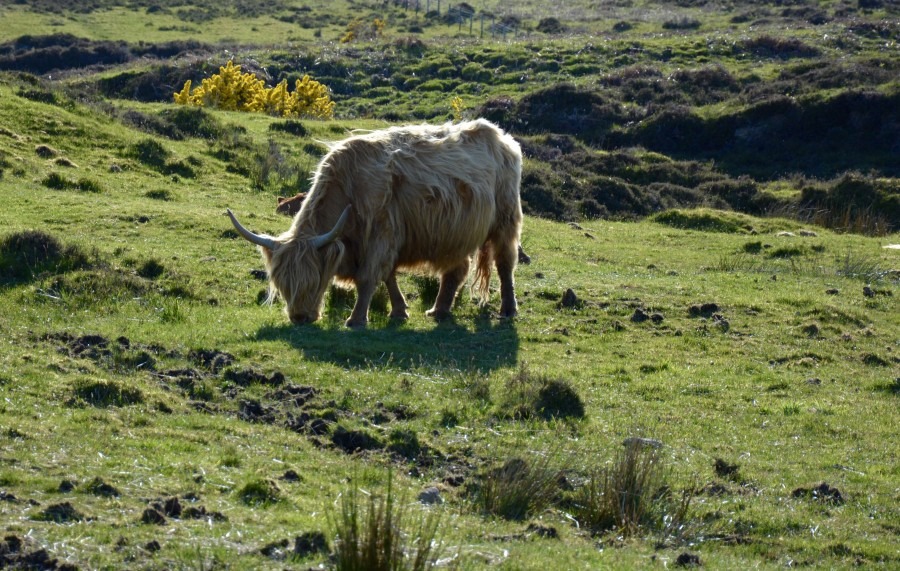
(790, 374)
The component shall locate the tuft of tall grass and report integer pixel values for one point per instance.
(631, 494)
(375, 533)
(520, 488)
(103, 393)
(857, 265)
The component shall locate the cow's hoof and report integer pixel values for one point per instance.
(438, 314)
(508, 313)
(399, 315)
(355, 324)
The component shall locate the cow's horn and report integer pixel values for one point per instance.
(330, 236)
(263, 241)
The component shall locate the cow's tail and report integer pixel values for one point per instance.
(484, 259)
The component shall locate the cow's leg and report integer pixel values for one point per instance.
(360, 314)
(505, 256)
(398, 302)
(450, 282)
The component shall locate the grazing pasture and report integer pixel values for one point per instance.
(707, 330)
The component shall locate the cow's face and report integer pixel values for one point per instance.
(301, 272)
(300, 267)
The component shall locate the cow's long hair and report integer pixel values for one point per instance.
(422, 197)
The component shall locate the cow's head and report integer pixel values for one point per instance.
(300, 267)
(290, 206)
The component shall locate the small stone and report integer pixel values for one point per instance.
(832, 291)
(430, 496)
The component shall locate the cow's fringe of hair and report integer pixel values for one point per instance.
(481, 282)
(284, 271)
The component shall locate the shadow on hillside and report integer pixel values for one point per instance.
(491, 345)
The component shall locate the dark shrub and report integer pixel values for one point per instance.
(741, 194)
(24, 255)
(42, 54)
(289, 126)
(565, 109)
(699, 220)
(404, 443)
(529, 395)
(151, 124)
(538, 196)
(151, 269)
(150, 152)
(193, 122)
(499, 110)
(706, 85)
(550, 26)
(56, 181)
(681, 23)
(675, 129)
(772, 47)
(557, 398)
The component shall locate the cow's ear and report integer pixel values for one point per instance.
(267, 256)
(281, 200)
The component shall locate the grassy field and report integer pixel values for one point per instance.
(154, 414)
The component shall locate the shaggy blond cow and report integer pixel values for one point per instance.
(420, 197)
(291, 205)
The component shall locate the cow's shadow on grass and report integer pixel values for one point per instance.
(479, 344)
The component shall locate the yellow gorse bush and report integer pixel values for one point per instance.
(458, 106)
(232, 90)
(360, 29)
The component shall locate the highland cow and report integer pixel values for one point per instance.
(291, 205)
(424, 198)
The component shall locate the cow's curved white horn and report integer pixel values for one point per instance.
(263, 241)
(330, 236)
